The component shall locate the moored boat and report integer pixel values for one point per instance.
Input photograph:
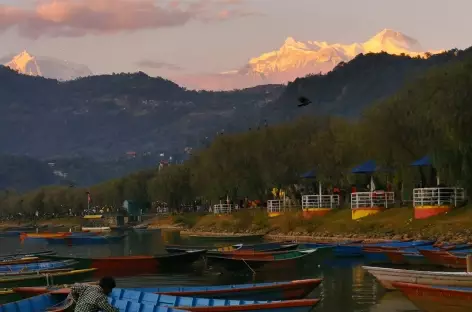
(213, 305)
(261, 291)
(184, 248)
(19, 255)
(36, 266)
(57, 303)
(85, 239)
(53, 278)
(339, 249)
(267, 247)
(284, 260)
(133, 265)
(228, 238)
(436, 299)
(387, 276)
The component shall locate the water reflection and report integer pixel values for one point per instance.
(345, 288)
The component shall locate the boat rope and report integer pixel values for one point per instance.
(253, 272)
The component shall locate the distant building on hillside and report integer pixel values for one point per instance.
(163, 164)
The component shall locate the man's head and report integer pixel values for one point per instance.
(107, 283)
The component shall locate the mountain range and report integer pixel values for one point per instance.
(47, 67)
(297, 59)
(292, 60)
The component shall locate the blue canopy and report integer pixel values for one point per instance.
(368, 167)
(425, 161)
(309, 175)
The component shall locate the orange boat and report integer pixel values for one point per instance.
(44, 235)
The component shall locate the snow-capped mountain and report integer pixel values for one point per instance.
(48, 67)
(297, 59)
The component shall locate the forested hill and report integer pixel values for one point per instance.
(353, 86)
(109, 115)
(430, 116)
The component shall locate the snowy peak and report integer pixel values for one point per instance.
(25, 63)
(28, 64)
(299, 58)
(392, 42)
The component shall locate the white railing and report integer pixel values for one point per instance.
(438, 196)
(222, 209)
(320, 201)
(372, 199)
(162, 210)
(275, 205)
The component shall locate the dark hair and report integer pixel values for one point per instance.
(107, 282)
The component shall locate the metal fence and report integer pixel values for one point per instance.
(438, 196)
(372, 199)
(275, 205)
(320, 201)
(222, 208)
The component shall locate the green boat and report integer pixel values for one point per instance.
(8, 295)
(228, 238)
(58, 278)
(282, 260)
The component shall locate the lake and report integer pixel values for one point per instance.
(345, 287)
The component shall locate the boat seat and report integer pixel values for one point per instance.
(150, 298)
(131, 295)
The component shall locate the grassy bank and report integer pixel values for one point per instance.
(392, 224)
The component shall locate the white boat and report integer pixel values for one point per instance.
(96, 229)
(386, 276)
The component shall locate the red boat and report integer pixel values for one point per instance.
(266, 291)
(133, 265)
(436, 299)
(444, 258)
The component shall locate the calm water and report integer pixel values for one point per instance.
(345, 288)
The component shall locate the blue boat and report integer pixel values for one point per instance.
(85, 239)
(374, 253)
(36, 266)
(57, 303)
(261, 291)
(272, 246)
(213, 305)
(342, 249)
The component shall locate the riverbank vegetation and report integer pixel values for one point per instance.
(430, 116)
(395, 223)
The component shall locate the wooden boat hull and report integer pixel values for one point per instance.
(36, 266)
(435, 299)
(58, 278)
(133, 265)
(57, 303)
(97, 229)
(230, 238)
(214, 305)
(184, 248)
(23, 255)
(339, 249)
(85, 240)
(262, 291)
(268, 247)
(293, 259)
(248, 254)
(387, 276)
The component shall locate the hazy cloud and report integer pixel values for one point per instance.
(71, 18)
(158, 65)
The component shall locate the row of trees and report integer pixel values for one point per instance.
(428, 117)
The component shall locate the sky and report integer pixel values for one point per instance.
(165, 37)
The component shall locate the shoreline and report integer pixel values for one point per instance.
(337, 225)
